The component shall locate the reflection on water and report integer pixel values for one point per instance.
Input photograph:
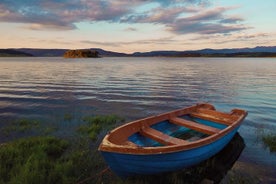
(213, 169)
(221, 163)
(48, 88)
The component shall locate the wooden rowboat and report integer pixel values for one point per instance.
(170, 141)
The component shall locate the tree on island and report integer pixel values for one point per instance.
(83, 53)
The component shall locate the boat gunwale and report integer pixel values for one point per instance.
(108, 146)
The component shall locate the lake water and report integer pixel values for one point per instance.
(49, 88)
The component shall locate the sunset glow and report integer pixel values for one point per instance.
(137, 25)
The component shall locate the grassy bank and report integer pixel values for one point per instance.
(95, 124)
(20, 125)
(35, 160)
(270, 141)
(47, 159)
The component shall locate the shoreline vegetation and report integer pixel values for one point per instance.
(40, 156)
(85, 53)
(269, 141)
(97, 52)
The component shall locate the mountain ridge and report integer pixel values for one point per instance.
(259, 51)
(13, 53)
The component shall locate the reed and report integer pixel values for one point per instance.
(46, 159)
(67, 117)
(95, 124)
(270, 141)
(34, 160)
(20, 125)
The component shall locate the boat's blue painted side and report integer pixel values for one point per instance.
(125, 165)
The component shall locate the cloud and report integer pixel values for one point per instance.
(61, 14)
(207, 22)
(252, 36)
(181, 2)
(232, 20)
(49, 27)
(184, 20)
(177, 16)
(232, 38)
(130, 29)
(113, 44)
(183, 26)
(164, 40)
(159, 15)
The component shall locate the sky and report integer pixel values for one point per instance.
(137, 25)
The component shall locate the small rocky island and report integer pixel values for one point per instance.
(82, 53)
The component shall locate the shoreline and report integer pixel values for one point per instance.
(241, 170)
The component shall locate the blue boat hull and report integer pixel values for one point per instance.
(126, 165)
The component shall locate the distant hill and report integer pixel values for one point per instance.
(245, 52)
(60, 52)
(104, 53)
(236, 52)
(43, 52)
(240, 50)
(13, 53)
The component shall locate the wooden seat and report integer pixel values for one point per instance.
(194, 126)
(215, 116)
(161, 137)
(212, 118)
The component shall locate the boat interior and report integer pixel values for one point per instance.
(179, 127)
(176, 130)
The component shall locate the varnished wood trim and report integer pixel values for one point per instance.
(114, 141)
(194, 126)
(216, 119)
(161, 137)
(129, 143)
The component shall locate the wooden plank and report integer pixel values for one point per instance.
(129, 143)
(194, 126)
(216, 119)
(214, 113)
(161, 137)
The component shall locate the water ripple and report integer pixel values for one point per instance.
(138, 87)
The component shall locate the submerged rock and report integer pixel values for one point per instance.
(81, 54)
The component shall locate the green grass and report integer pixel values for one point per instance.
(95, 124)
(270, 141)
(48, 160)
(34, 160)
(27, 126)
(20, 125)
(68, 117)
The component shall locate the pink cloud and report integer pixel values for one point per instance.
(179, 17)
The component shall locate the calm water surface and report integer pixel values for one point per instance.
(49, 88)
